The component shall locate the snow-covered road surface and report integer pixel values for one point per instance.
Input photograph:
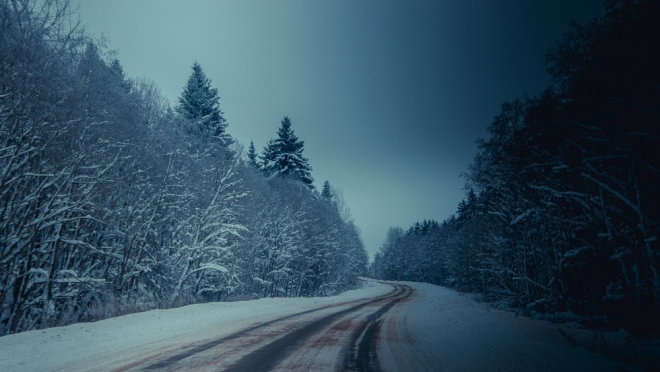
(383, 326)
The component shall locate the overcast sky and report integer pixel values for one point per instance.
(389, 96)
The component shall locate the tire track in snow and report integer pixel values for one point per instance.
(269, 356)
(170, 363)
(363, 354)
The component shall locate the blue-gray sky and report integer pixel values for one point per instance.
(389, 96)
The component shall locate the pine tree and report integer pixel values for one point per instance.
(326, 193)
(268, 156)
(252, 156)
(284, 156)
(199, 103)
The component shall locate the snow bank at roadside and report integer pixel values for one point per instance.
(436, 330)
(445, 331)
(114, 342)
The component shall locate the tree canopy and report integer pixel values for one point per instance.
(284, 156)
(562, 210)
(111, 202)
(200, 103)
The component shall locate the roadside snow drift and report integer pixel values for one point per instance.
(437, 330)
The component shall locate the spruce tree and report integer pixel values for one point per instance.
(252, 156)
(199, 103)
(326, 193)
(268, 157)
(284, 156)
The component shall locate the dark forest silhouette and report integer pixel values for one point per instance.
(562, 206)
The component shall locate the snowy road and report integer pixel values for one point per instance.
(384, 326)
(336, 337)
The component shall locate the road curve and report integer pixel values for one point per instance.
(383, 326)
(337, 337)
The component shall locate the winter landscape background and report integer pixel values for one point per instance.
(114, 199)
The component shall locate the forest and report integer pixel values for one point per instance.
(560, 217)
(114, 201)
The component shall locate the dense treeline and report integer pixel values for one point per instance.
(563, 199)
(111, 201)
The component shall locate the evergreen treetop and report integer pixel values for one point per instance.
(268, 156)
(326, 193)
(199, 102)
(284, 156)
(252, 156)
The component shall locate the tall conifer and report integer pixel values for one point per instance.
(326, 192)
(252, 156)
(284, 156)
(199, 103)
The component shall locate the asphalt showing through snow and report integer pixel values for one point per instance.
(383, 326)
(338, 337)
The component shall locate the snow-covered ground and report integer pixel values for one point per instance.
(444, 331)
(436, 330)
(113, 343)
